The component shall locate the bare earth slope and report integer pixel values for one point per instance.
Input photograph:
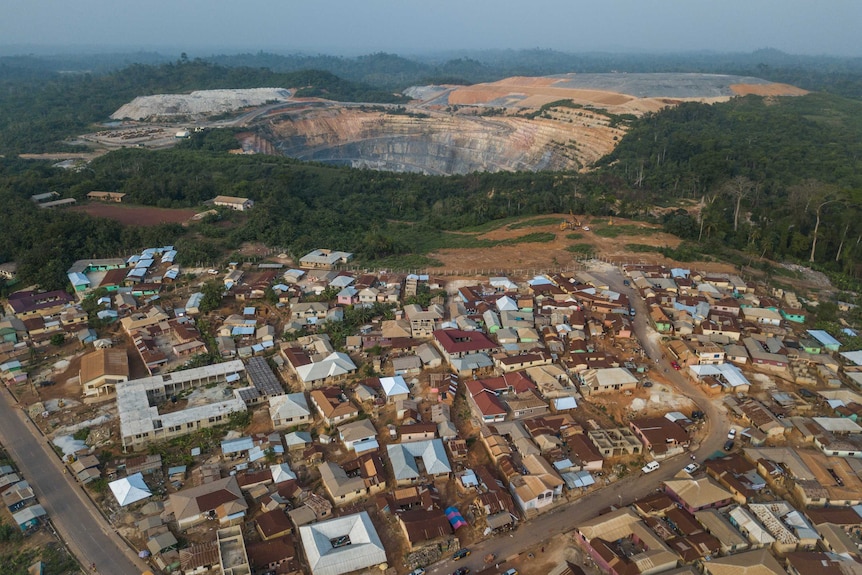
(500, 125)
(439, 142)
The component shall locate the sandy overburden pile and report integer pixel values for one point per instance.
(201, 102)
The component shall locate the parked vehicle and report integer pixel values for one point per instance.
(691, 468)
(650, 467)
(674, 365)
(417, 571)
(461, 553)
(731, 434)
(461, 571)
(728, 445)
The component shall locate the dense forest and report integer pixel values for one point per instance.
(36, 113)
(776, 177)
(787, 162)
(835, 75)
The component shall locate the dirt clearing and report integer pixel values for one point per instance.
(767, 90)
(566, 249)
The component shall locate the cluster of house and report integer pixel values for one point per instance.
(32, 319)
(729, 518)
(721, 323)
(525, 356)
(141, 274)
(287, 515)
(20, 501)
(51, 201)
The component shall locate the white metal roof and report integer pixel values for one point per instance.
(403, 457)
(729, 372)
(130, 489)
(854, 356)
(333, 365)
(137, 416)
(394, 386)
(281, 473)
(289, 405)
(838, 424)
(342, 545)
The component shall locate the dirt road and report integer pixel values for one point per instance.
(512, 550)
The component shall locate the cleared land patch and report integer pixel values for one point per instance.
(136, 215)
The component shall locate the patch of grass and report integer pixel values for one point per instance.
(575, 236)
(686, 252)
(534, 223)
(534, 238)
(642, 248)
(581, 249)
(81, 434)
(491, 225)
(621, 230)
(783, 271)
(423, 241)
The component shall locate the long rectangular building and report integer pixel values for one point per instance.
(147, 414)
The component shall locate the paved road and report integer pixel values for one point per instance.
(512, 549)
(80, 525)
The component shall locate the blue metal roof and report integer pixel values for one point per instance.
(78, 279)
(823, 337)
(237, 445)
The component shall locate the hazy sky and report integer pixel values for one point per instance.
(411, 27)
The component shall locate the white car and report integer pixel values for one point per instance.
(731, 434)
(650, 467)
(691, 468)
(417, 571)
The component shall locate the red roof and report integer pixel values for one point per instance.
(296, 357)
(517, 381)
(273, 523)
(485, 399)
(456, 341)
(23, 302)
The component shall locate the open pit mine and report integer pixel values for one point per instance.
(563, 122)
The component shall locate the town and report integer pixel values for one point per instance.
(308, 416)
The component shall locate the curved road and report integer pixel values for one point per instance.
(90, 538)
(511, 549)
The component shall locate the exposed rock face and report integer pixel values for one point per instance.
(201, 102)
(442, 142)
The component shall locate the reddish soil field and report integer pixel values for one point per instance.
(136, 215)
(767, 90)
